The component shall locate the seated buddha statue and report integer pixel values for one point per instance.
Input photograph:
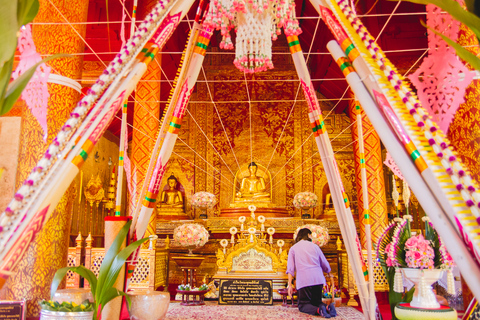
(171, 197)
(252, 189)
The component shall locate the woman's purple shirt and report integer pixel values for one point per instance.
(308, 262)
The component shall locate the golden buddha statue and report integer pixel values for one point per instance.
(252, 189)
(171, 202)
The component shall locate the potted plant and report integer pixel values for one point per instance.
(102, 287)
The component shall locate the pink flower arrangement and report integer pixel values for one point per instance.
(398, 248)
(191, 235)
(389, 251)
(305, 200)
(204, 200)
(319, 234)
(419, 253)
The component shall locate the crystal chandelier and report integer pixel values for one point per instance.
(257, 23)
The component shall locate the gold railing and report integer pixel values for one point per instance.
(150, 273)
(348, 281)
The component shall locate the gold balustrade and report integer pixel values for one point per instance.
(347, 281)
(150, 273)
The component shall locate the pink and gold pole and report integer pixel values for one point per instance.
(370, 161)
(196, 50)
(449, 193)
(339, 196)
(365, 195)
(35, 200)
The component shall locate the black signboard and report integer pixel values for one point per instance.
(12, 310)
(245, 291)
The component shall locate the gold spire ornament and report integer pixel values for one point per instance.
(112, 190)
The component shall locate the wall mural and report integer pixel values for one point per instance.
(203, 159)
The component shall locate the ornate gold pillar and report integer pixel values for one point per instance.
(146, 120)
(376, 185)
(464, 131)
(48, 252)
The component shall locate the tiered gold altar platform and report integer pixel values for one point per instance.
(219, 228)
(266, 212)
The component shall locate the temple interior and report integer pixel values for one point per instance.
(245, 138)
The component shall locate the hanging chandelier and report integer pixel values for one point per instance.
(257, 23)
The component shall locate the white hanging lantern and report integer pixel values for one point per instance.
(257, 23)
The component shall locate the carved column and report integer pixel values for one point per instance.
(464, 131)
(49, 250)
(146, 121)
(375, 182)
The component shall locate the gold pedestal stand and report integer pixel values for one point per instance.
(189, 264)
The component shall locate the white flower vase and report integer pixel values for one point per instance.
(423, 297)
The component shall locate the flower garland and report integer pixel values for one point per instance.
(191, 235)
(11, 217)
(384, 243)
(319, 234)
(446, 259)
(394, 249)
(452, 165)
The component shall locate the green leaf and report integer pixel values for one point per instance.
(16, 87)
(470, 4)
(81, 270)
(57, 278)
(24, 9)
(31, 13)
(5, 76)
(119, 262)
(108, 259)
(456, 11)
(8, 29)
(110, 294)
(409, 295)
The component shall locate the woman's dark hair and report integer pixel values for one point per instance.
(303, 235)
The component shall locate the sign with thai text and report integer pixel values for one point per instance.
(12, 310)
(245, 291)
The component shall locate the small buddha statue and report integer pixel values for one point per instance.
(252, 187)
(172, 197)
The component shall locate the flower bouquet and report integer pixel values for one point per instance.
(421, 258)
(305, 201)
(203, 201)
(190, 235)
(319, 234)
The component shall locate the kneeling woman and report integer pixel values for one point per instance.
(308, 263)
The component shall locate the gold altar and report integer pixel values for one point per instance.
(254, 256)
